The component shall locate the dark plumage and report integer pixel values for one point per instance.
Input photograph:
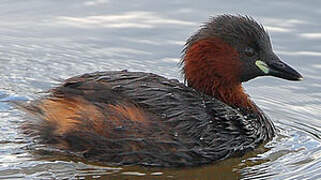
(239, 32)
(121, 117)
(229, 28)
(184, 127)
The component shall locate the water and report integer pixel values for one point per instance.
(43, 42)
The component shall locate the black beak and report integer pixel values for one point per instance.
(282, 70)
(275, 67)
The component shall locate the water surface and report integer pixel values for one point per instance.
(43, 42)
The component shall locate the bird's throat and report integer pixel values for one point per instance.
(233, 95)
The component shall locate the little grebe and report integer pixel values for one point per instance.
(122, 117)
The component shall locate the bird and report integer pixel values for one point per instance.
(140, 118)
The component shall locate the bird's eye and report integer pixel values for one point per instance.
(249, 51)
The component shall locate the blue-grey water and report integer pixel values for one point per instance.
(43, 42)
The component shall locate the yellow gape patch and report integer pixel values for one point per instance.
(263, 66)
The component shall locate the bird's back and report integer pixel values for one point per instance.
(122, 117)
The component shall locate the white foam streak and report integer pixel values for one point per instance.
(136, 19)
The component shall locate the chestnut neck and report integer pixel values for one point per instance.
(213, 67)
